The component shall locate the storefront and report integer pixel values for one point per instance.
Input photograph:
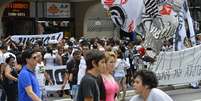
(56, 18)
(53, 25)
(16, 19)
(21, 17)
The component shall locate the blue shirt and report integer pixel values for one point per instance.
(27, 78)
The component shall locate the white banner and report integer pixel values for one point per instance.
(32, 38)
(185, 15)
(56, 74)
(190, 26)
(178, 67)
(124, 13)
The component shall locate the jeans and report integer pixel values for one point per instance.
(43, 94)
(2, 95)
(74, 92)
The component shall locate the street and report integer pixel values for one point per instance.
(186, 94)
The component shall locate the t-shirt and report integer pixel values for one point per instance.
(39, 71)
(155, 95)
(49, 59)
(88, 88)
(120, 68)
(27, 78)
(82, 70)
(73, 67)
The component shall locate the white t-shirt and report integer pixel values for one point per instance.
(82, 70)
(155, 95)
(39, 71)
(49, 59)
(120, 67)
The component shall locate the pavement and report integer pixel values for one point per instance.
(175, 92)
(170, 90)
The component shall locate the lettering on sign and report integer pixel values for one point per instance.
(32, 38)
(56, 74)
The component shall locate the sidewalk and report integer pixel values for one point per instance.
(171, 90)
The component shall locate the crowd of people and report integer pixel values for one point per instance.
(96, 69)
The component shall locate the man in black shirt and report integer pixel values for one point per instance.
(89, 90)
(72, 68)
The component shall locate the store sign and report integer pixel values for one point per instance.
(17, 8)
(58, 10)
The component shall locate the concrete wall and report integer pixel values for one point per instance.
(78, 11)
(96, 23)
(3, 4)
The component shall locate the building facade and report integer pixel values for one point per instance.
(74, 17)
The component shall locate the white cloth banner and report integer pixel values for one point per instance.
(185, 15)
(56, 74)
(182, 34)
(191, 27)
(178, 67)
(32, 38)
(125, 13)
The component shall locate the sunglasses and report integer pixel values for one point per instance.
(34, 57)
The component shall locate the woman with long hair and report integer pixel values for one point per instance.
(10, 79)
(109, 87)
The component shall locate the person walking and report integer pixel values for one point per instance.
(41, 75)
(85, 46)
(10, 79)
(72, 69)
(109, 88)
(28, 86)
(145, 83)
(120, 72)
(88, 89)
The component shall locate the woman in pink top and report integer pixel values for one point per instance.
(110, 86)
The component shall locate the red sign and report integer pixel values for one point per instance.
(17, 8)
(18, 5)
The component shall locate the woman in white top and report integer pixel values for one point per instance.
(145, 83)
(49, 57)
(120, 72)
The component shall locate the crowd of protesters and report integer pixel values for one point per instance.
(119, 58)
